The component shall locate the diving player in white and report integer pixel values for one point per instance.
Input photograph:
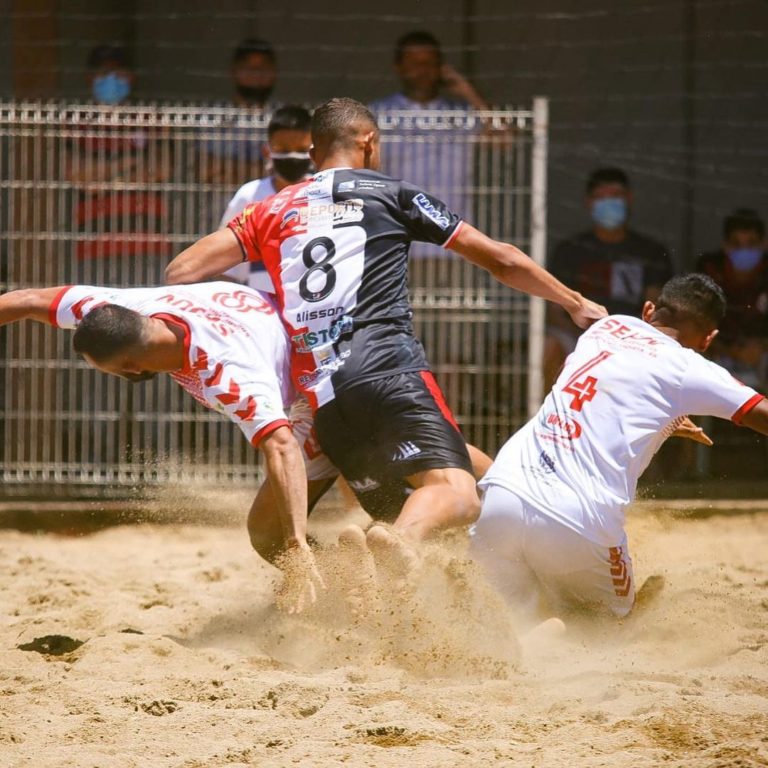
(226, 346)
(551, 530)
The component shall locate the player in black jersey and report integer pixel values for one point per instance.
(336, 247)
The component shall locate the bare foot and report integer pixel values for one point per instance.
(359, 571)
(396, 560)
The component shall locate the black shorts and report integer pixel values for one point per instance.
(379, 432)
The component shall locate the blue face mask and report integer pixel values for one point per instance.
(745, 259)
(111, 88)
(609, 212)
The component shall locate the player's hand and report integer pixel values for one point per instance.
(587, 313)
(301, 579)
(689, 430)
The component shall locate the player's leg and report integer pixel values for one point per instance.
(481, 462)
(497, 544)
(264, 528)
(578, 575)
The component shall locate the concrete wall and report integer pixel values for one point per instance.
(637, 83)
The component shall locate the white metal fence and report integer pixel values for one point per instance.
(104, 195)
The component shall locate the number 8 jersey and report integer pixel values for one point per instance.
(336, 248)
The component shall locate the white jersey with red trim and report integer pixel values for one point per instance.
(622, 392)
(336, 248)
(237, 352)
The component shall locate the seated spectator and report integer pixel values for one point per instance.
(286, 153)
(116, 221)
(435, 158)
(235, 155)
(740, 268)
(610, 263)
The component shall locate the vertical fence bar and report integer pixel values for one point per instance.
(537, 309)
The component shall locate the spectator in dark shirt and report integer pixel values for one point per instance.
(740, 268)
(612, 264)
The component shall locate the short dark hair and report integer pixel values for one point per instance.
(253, 45)
(108, 54)
(108, 330)
(743, 219)
(339, 121)
(694, 297)
(418, 37)
(606, 176)
(289, 118)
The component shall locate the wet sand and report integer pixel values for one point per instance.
(185, 663)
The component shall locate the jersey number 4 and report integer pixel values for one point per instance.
(582, 386)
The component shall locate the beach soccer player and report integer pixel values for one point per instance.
(336, 248)
(551, 532)
(225, 345)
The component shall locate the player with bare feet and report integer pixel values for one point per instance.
(551, 531)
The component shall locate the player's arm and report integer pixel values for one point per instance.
(510, 266)
(757, 418)
(28, 304)
(288, 481)
(207, 258)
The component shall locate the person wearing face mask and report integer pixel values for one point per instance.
(740, 268)
(117, 223)
(236, 156)
(109, 74)
(611, 263)
(254, 72)
(286, 153)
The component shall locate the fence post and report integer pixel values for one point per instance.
(537, 307)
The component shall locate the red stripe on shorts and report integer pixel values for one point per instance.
(437, 394)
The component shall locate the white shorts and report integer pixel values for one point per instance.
(530, 557)
(317, 464)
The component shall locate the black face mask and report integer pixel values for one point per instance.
(254, 94)
(291, 166)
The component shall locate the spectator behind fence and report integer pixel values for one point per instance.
(740, 268)
(286, 153)
(610, 263)
(433, 158)
(235, 155)
(105, 161)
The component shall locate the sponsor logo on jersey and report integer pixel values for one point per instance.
(321, 337)
(546, 462)
(366, 484)
(346, 186)
(291, 216)
(243, 301)
(424, 204)
(405, 451)
(221, 323)
(318, 314)
(562, 426)
(328, 365)
(343, 212)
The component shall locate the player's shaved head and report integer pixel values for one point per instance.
(107, 331)
(338, 124)
(693, 298)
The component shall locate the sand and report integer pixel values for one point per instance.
(217, 677)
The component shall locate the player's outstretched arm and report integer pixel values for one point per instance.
(509, 265)
(28, 304)
(757, 418)
(207, 258)
(288, 481)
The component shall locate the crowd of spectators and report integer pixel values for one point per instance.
(611, 262)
